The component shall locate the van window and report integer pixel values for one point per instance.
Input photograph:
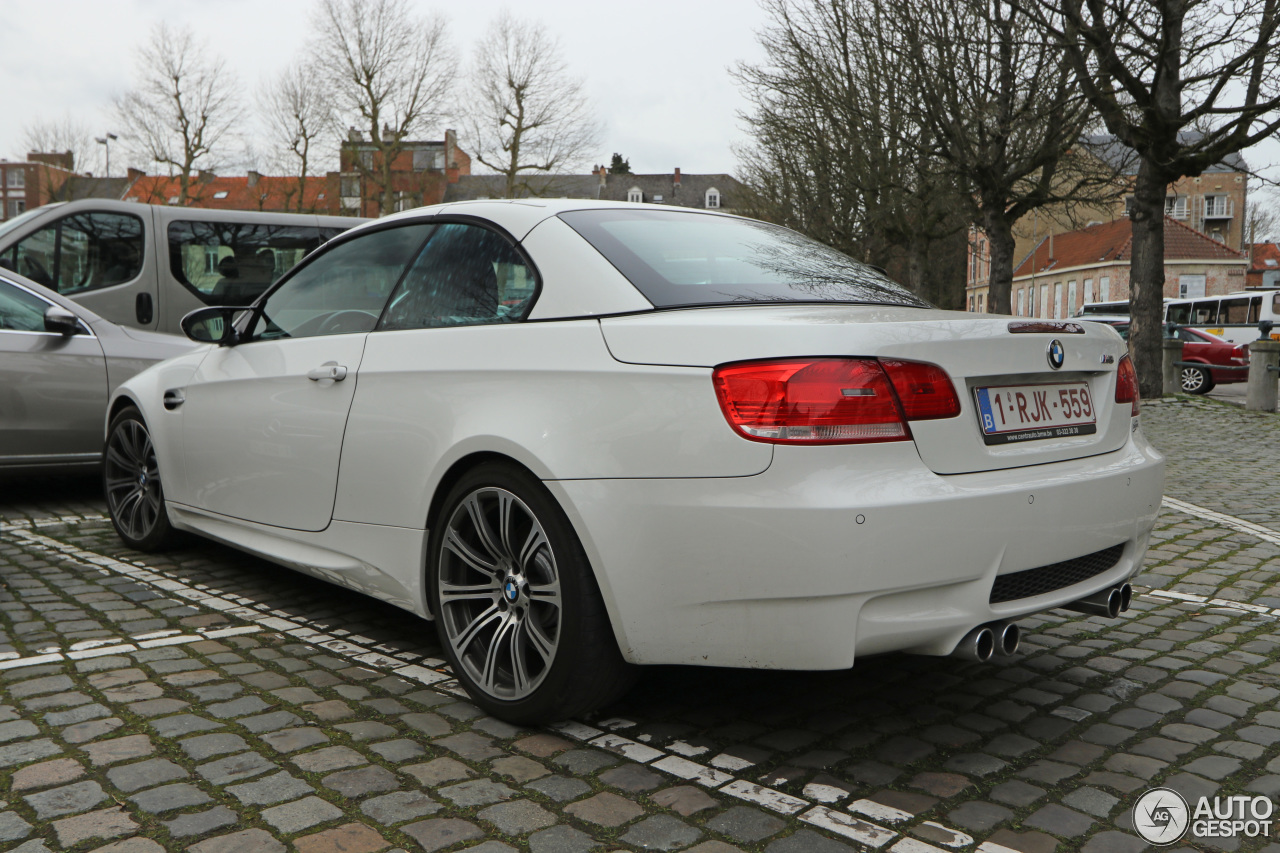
(1255, 309)
(232, 263)
(82, 252)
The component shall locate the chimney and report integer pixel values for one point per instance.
(604, 176)
(676, 181)
(450, 142)
(254, 177)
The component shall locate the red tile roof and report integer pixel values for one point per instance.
(269, 193)
(1112, 242)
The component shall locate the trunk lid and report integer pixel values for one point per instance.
(977, 351)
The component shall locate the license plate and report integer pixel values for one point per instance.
(1012, 413)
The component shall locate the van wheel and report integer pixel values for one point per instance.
(131, 482)
(517, 608)
(1196, 380)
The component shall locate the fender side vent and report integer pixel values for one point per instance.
(1032, 582)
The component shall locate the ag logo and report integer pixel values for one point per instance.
(1057, 354)
(1161, 816)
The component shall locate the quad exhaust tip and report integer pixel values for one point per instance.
(1108, 602)
(979, 644)
(1010, 637)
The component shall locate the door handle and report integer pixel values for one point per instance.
(328, 370)
(173, 398)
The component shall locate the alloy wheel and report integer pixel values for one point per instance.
(499, 593)
(133, 480)
(1193, 380)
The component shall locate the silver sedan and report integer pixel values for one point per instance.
(58, 364)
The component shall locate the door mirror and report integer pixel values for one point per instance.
(61, 321)
(212, 325)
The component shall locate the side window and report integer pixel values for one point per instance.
(467, 275)
(36, 256)
(20, 311)
(233, 263)
(344, 290)
(83, 252)
(1235, 310)
(1205, 313)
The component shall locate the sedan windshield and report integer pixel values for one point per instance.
(685, 258)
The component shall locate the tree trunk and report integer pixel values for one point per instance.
(1146, 277)
(1000, 281)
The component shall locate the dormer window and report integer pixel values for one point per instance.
(713, 198)
(173, 199)
(634, 195)
(220, 194)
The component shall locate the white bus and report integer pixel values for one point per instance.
(1218, 315)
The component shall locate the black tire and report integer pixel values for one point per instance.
(1196, 380)
(524, 588)
(132, 485)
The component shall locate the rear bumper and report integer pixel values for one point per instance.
(835, 552)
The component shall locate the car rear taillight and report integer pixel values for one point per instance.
(924, 390)
(1127, 384)
(831, 400)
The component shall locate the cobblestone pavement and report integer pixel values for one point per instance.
(208, 701)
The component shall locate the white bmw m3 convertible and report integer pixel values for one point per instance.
(582, 436)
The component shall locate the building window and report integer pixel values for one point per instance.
(17, 206)
(220, 194)
(1057, 301)
(634, 195)
(1175, 206)
(1088, 290)
(173, 199)
(713, 198)
(1215, 206)
(970, 302)
(1104, 289)
(350, 187)
(17, 178)
(1021, 295)
(979, 303)
(1071, 298)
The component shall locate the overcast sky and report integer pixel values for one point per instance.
(657, 71)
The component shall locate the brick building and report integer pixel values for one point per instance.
(706, 192)
(37, 180)
(420, 174)
(1092, 265)
(1264, 265)
(1213, 203)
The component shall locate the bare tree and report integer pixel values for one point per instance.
(837, 155)
(185, 102)
(386, 72)
(1003, 113)
(1262, 220)
(59, 135)
(1184, 83)
(524, 113)
(299, 119)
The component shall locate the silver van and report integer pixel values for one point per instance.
(147, 266)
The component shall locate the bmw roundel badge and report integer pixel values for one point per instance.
(512, 591)
(1057, 355)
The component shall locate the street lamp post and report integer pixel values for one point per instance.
(106, 141)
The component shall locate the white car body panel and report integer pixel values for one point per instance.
(590, 285)
(774, 571)
(974, 351)
(545, 394)
(262, 441)
(708, 548)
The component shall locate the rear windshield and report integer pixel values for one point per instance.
(677, 258)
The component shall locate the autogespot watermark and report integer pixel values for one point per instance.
(1162, 816)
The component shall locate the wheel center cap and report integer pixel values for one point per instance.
(142, 479)
(511, 590)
